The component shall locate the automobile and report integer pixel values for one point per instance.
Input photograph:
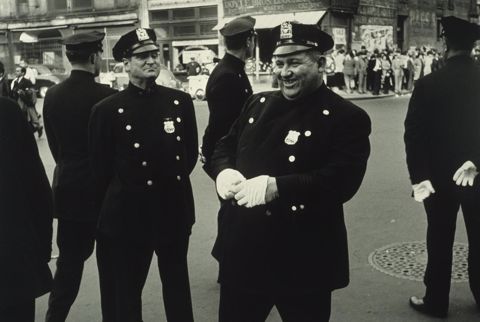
(45, 78)
(118, 78)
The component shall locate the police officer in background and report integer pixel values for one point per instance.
(287, 165)
(227, 89)
(442, 140)
(144, 146)
(67, 108)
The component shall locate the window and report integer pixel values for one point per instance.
(451, 5)
(206, 28)
(60, 4)
(184, 30)
(207, 12)
(184, 13)
(79, 4)
(160, 15)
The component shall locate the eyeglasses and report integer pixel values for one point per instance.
(146, 55)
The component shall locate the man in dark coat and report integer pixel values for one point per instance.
(289, 162)
(67, 110)
(4, 86)
(227, 90)
(442, 140)
(25, 218)
(22, 91)
(144, 146)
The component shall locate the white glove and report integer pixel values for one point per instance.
(422, 190)
(465, 174)
(226, 181)
(251, 193)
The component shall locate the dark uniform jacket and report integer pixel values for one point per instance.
(25, 211)
(66, 110)
(317, 148)
(443, 122)
(227, 90)
(143, 148)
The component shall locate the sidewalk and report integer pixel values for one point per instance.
(264, 86)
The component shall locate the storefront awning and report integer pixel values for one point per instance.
(270, 21)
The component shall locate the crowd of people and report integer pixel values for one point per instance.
(283, 163)
(382, 71)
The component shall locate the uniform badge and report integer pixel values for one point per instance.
(142, 34)
(292, 137)
(286, 30)
(169, 126)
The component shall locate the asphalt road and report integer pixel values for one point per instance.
(381, 213)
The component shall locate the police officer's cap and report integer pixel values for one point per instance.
(238, 26)
(293, 37)
(135, 42)
(87, 42)
(459, 29)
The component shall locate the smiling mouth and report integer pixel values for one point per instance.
(289, 83)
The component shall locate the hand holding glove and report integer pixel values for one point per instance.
(226, 181)
(465, 174)
(422, 190)
(251, 193)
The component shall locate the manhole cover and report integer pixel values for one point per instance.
(408, 261)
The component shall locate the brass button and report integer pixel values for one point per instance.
(136, 145)
(291, 158)
(144, 163)
(179, 178)
(149, 182)
(128, 127)
(262, 100)
(179, 120)
(294, 208)
(120, 110)
(177, 157)
(179, 138)
(268, 212)
(176, 102)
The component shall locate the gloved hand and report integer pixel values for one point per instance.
(251, 193)
(422, 190)
(465, 174)
(226, 181)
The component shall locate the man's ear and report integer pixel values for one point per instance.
(92, 58)
(322, 63)
(126, 63)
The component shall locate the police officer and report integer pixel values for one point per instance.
(227, 90)
(287, 165)
(443, 155)
(25, 218)
(144, 146)
(67, 108)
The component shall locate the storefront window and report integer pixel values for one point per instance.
(206, 28)
(160, 15)
(183, 13)
(184, 30)
(81, 4)
(60, 4)
(206, 12)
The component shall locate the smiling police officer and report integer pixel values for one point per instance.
(289, 162)
(144, 146)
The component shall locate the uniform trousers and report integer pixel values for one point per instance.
(240, 306)
(23, 311)
(76, 241)
(442, 208)
(131, 260)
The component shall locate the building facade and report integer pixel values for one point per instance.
(32, 30)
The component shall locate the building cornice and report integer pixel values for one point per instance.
(171, 4)
(55, 22)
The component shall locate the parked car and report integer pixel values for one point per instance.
(118, 78)
(46, 78)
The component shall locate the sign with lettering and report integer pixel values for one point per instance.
(233, 8)
(339, 36)
(376, 37)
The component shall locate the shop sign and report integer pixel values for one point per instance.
(376, 37)
(339, 36)
(237, 7)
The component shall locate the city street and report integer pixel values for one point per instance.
(382, 213)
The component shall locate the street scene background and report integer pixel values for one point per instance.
(381, 213)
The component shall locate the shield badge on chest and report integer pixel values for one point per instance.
(169, 126)
(292, 137)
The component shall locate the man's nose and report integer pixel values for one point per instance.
(286, 71)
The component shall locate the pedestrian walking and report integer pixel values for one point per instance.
(349, 72)
(227, 90)
(361, 67)
(25, 218)
(23, 92)
(67, 108)
(144, 145)
(397, 69)
(4, 88)
(443, 147)
(289, 162)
